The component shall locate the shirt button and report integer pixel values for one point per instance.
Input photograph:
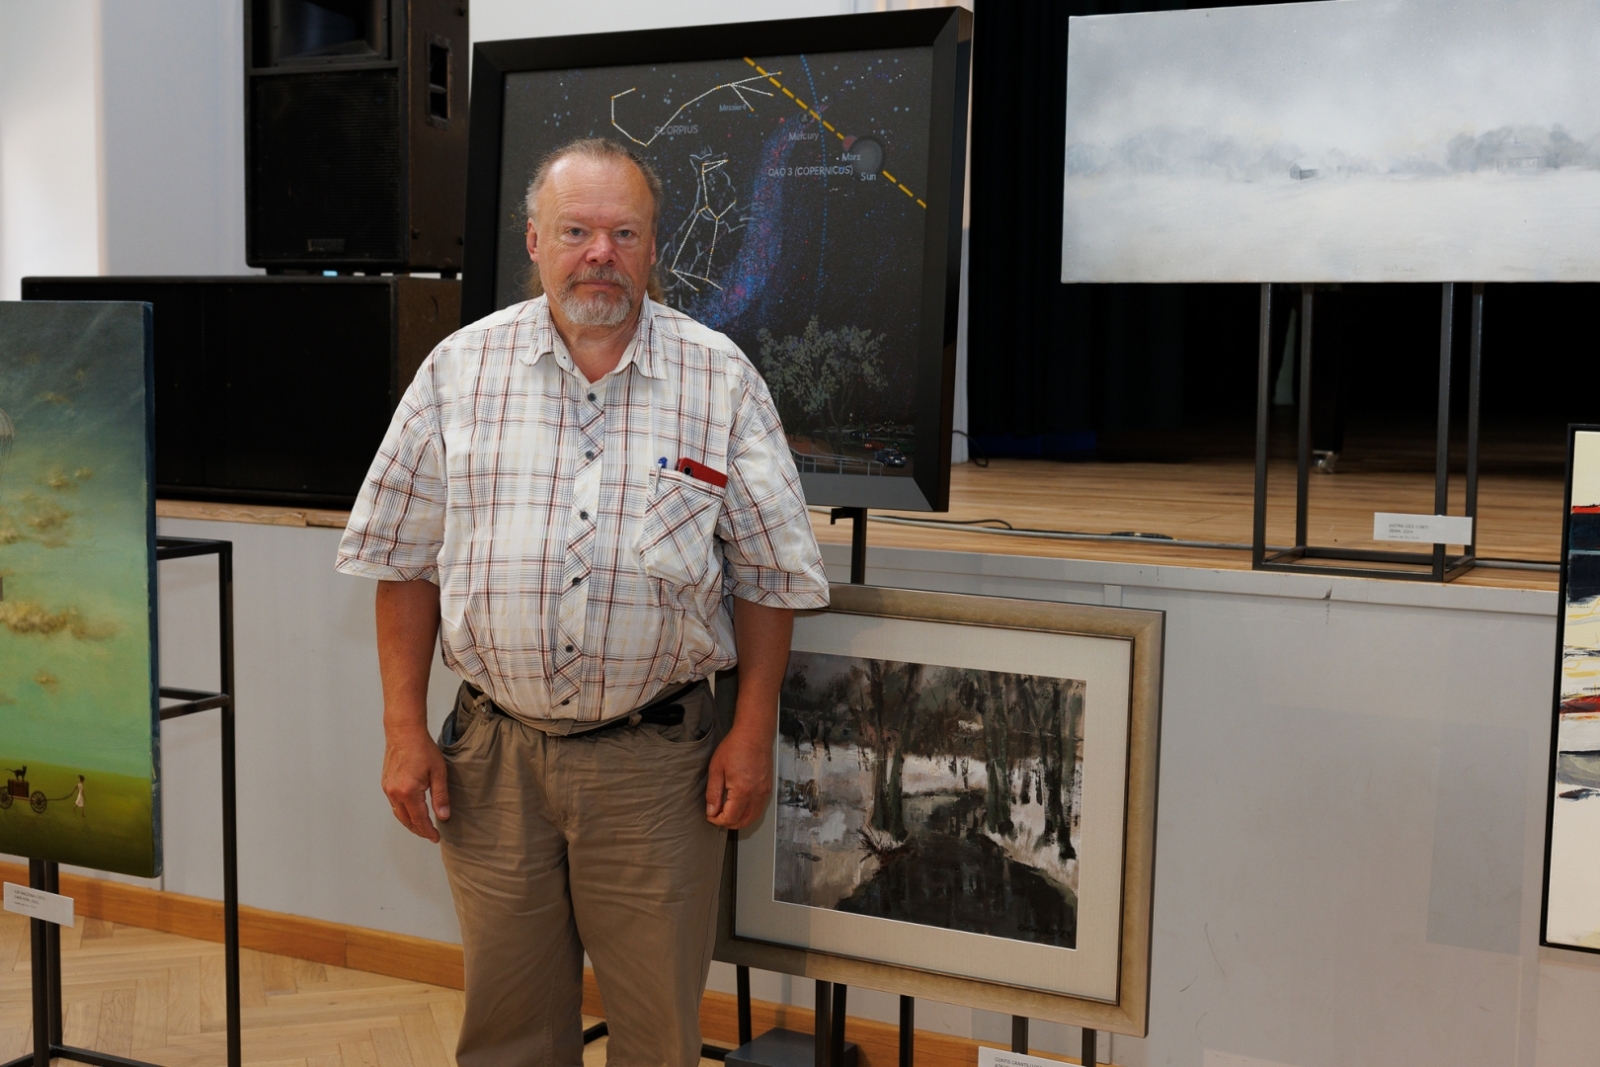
(578, 579)
(591, 397)
(583, 515)
(564, 703)
(569, 648)
(588, 455)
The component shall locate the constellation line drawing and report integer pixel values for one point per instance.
(703, 259)
(739, 89)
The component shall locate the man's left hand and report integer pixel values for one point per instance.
(740, 779)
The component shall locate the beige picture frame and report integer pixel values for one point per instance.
(1119, 998)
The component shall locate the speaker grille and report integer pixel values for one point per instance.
(326, 169)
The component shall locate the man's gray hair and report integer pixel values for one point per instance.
(597, 148)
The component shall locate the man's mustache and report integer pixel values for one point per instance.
(599, 274)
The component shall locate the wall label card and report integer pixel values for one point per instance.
(1425, 529)
(999, 1057)
(37, 904)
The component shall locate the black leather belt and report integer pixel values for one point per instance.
(663, 711)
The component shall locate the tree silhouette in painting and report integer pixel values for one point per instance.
(941, 795)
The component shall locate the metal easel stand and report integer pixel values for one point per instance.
(46, 875)
(826, 1043)
(1426, 566)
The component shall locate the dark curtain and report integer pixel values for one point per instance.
(1168, 371)
(1079, 370)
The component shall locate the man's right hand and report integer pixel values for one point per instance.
(413, 767)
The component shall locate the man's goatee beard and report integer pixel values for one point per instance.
(601, 309)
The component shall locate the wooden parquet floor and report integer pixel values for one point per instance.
(159, 997)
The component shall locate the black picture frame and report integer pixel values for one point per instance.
(1573, 429)
(948, 31)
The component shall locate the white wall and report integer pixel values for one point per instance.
(309, 739)
(122, 122)
(174, 136)
(121, 138)
(497, 20)
(51, 208)
(1350, 832)
(122, 126)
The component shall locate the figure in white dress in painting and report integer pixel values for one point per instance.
(77, 798)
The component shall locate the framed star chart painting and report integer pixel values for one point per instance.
(812, 175)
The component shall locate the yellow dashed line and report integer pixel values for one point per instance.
(829, 126)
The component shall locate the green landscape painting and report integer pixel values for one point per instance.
(79, 779)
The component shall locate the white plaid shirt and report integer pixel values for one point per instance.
(578, 576)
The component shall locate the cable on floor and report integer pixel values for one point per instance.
(1136, 537)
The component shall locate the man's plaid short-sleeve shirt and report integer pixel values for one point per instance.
(579, 575)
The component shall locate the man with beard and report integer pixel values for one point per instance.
(591, 496)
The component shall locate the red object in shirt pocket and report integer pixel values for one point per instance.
(702, 472)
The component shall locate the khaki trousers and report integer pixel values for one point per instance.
(557, 845)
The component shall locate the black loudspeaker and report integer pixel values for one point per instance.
(276, 390)
(355, 134)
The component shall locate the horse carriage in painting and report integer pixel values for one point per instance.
(17, 789)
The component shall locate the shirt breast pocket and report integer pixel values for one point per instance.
(677, 543)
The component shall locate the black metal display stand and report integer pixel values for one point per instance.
(1433, 565)
(44, 874)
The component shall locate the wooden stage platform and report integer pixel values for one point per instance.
(1519, 514)
(1211, 500)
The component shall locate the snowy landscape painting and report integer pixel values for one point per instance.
(1341, 141)
(942, 796)
(1572, 891)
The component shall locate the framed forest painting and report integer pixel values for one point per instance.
(963, 807)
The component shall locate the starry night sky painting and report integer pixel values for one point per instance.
(78, 727)
(794, 221)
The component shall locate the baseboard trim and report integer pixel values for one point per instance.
(415, 959)
(418, 959)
